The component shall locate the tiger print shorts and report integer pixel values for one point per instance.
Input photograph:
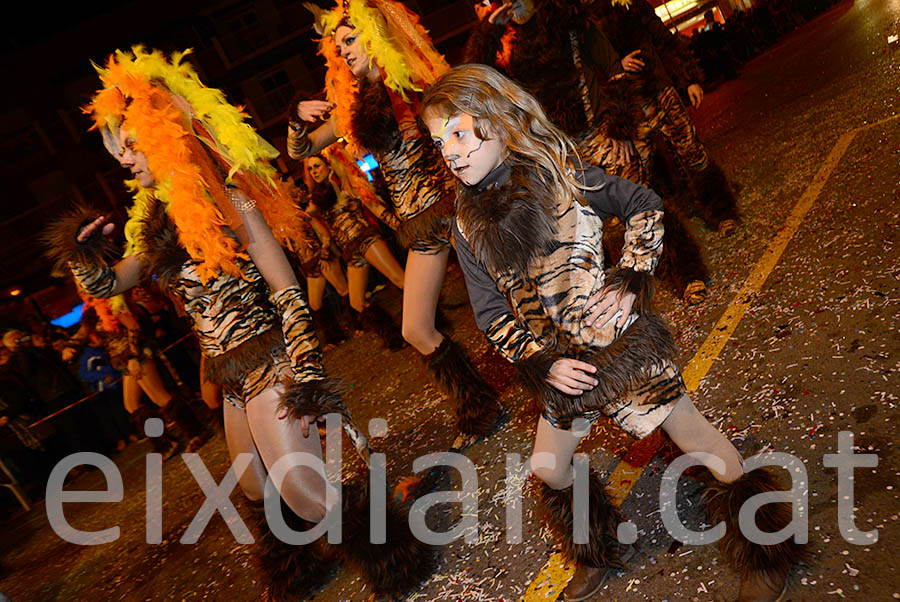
(639, 411)
(274, 368)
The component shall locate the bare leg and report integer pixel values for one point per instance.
(358, 278)
(422, 289)
(691, 432)
(240, 441)
(151, 382)
(335, 275)
(303, 488)
(380, 256)
(551, 460)
(315, 288)
(131, 393)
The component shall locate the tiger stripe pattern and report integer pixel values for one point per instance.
(416, 179)
(299, 334)
(96, 281)
(548, 313)
(668, 116)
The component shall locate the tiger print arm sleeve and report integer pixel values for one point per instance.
(492, 313)
(639, 208)
(299, 146)
(87, 259)
(510, 340)
(299, 334)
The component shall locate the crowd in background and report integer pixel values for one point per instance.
(62, 393)
(722, 48)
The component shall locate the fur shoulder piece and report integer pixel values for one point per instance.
(62, 247)
(621, 109)
(509, 224)
(373, 122)
(165, 256)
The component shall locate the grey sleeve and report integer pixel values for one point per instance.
(488, 303)
(618, 197)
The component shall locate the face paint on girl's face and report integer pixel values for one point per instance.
(469, 157)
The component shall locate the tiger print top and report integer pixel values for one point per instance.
(529, 273)
(346, 220)
(412, 170)
(226, 313)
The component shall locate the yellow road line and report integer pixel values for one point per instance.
(555, 574)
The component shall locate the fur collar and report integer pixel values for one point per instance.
(509, 219)
(164, 256)
(373, 122)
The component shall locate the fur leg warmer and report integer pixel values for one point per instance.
(475, 401)
(294, 572)
(379, 321)
(178, 411)
(723, 503)
(714, 196)
(328, 328)
(391, 568)
(681, 262)
(602, 549)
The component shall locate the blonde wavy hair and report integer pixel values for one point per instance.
(502, 108)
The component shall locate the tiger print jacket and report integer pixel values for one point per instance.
(530, 266)
(234, 319)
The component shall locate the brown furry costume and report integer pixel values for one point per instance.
(541, 59)
(669, 66)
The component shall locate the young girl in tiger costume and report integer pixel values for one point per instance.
(205, 196)
(528, 230)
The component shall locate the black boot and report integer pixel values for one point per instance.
(596, 560)
(377, 320)
(351, 314)
(716, 199)
(478, 412)
(165, 444)
(192, 432)
(763, 569)
(327, 327)
(293, 572)
(681, 263)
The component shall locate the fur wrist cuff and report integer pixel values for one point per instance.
(63, 248)
(641, 284)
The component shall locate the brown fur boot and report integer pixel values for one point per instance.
(477, 410)
(602, 554)
(391, 568)
(763, 569)
(294, 572)
(715, 199)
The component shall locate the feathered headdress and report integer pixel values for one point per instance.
(195, 142)
(394, 40)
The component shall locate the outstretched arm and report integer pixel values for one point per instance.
(301, 142)
(79, 242)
